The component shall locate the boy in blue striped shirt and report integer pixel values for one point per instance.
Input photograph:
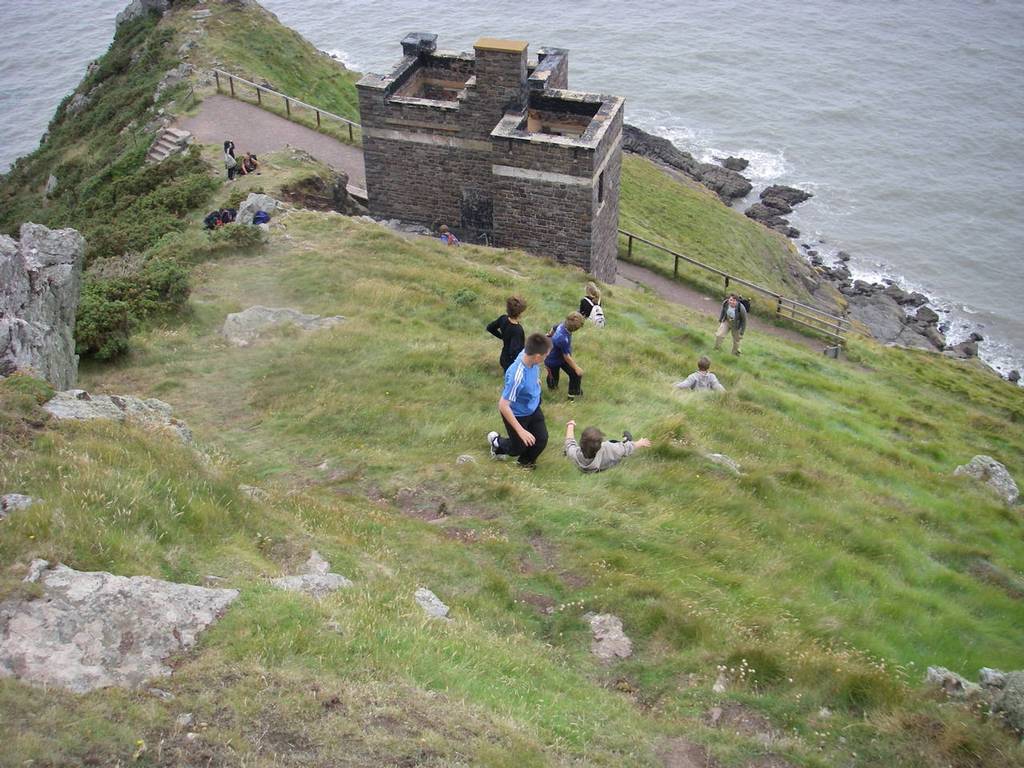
(519, 406)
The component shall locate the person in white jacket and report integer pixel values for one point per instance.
(701, 380)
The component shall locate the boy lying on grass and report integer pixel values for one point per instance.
(593, 453)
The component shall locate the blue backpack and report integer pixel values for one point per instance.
(261, 217)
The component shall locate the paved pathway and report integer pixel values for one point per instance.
(678, 293)
(259, 131)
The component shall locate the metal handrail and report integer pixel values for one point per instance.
(783, 304)
(288, 100)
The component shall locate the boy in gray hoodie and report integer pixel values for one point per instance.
(593, 453)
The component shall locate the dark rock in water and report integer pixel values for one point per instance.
(843, 256)
(934, 335)
(777, 204)
(863, 286)
(812, 253)
(1013, 376)
(915, 299)
(815, 258)
(735, 163)
(728, 184)
(760, 212)
(975, 336)
(791, 232)
(926, 315)
(791, 195)
(896, 293)
(965, 349)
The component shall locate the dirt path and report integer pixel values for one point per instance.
(691, 298)
(258, 131)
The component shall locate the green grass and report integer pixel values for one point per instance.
(688, 218)
(838, 565)
(250, 43)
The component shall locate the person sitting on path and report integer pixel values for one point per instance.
(733, 317)
(593, 453)
(701, 380)
(519, 407)
(508, 329)
(230, 163)
(448, 238)
(560, 357)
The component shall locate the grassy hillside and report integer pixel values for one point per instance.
(842, 562)
(689, 219)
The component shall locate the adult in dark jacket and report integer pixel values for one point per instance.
(508, 329)
(732, 318)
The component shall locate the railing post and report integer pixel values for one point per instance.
(727, 282)
(351, 136)
(259, 96)
(216, 76)
(778, 305)
(629, 251)
(288, 106)
(231, 82)
(318, 118)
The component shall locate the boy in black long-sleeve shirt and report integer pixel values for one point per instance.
(508, 329)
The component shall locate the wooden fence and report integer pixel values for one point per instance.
(831, 326)
(290, 102)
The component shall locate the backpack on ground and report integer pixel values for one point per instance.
(746, 304)
(212, 220)
(261, 217)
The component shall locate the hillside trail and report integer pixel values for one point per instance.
(257, 130)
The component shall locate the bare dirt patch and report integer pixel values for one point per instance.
(543, 604)
(430, 504)
(741, 720)
(681, 753)
(545, 558)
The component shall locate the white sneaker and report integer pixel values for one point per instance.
(492, 440)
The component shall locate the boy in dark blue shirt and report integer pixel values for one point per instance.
(519, 406)
(560, 357)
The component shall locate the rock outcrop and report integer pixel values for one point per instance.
(77, 404)
(14, 502)
(315, 580)
(137, 8)
(255, 203)
(995, 475)
(609, 642)
(95, 630)
(431, 604)
(776, 202)
(40, 281)
(727, 184)
(243, 328)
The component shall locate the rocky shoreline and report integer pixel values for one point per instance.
(890, 314)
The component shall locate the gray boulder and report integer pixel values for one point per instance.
(431, 604)
(93, 629)
(243, 328)
(991, 678)
(315, 580)
(40, 282)
(14, 502)
(254, 203)
(950, 683)
(989, 471)
(79, 405)
(1010, 701)
(723, 461)
(609, 641)
(51, 186)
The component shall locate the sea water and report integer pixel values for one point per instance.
(904, 119)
